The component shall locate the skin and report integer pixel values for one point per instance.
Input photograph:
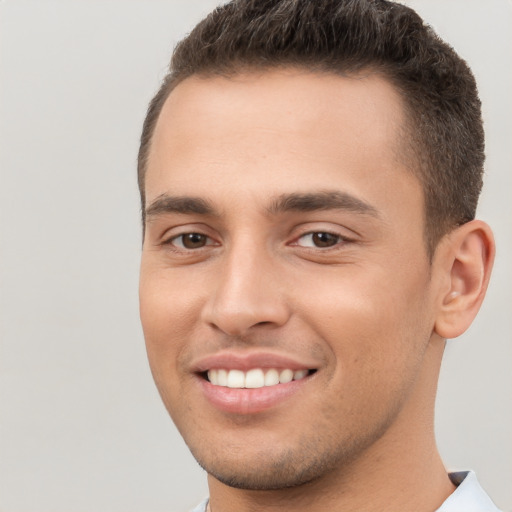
(368, 311)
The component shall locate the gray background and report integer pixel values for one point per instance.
(81, 425)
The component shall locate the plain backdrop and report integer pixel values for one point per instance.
(81, 425)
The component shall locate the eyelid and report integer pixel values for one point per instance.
(309, 228)
(175, 232)
(342, 239)
(171, 240)
(181, 246)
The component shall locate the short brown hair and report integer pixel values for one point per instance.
(346, 37)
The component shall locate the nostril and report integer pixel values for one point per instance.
(238, 314)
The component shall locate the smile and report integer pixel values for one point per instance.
(252, 381)
(254, 378)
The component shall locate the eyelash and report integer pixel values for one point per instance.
(172, 241)
(338, 240)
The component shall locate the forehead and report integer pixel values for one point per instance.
(282, 128)
(294, 101)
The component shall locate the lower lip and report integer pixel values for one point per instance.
(249, 401)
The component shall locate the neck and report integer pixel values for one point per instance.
(422, 485)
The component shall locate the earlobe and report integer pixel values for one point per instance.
(468, 254)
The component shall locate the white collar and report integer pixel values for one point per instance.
(469, 495)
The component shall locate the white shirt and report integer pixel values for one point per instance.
(468, 497)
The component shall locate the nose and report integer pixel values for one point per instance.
(247, 293)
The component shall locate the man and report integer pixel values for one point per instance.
(309, 174)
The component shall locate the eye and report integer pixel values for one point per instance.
(320, 239)
(190, 241)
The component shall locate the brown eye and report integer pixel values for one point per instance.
(190, 241)
(319, 239)
(325, 239)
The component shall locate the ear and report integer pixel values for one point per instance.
(465, 259)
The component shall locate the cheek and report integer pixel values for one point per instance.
(167, 304)
(376, 323)
(164, 326)
(164, 319)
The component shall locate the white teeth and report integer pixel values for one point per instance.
(254, 378)
(271, 378)
(222, 378)
(212, 376)
(236, 379)
(285, 376)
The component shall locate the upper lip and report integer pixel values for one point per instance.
(246, 360)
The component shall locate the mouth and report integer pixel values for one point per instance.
(254, 378)
(248, 382)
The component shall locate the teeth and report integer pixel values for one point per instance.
(271, 378)
(285, 376)
(222, 377)
(236, 379)
(254, 378)
(300, 374)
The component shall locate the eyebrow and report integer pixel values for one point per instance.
(323, 200)
(179, 204)
(293, 202)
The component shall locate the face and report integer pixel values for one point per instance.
(285, 288)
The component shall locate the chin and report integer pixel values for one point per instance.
(268, 477)
(270, 469)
